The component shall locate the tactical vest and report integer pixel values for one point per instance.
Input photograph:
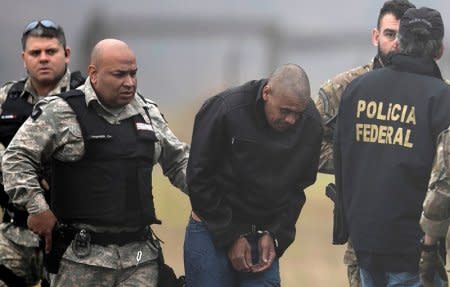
(16, 109)
(111, 185)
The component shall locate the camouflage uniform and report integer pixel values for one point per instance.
(435, 218)
(327, 103)
(19, 247)
(56, 133)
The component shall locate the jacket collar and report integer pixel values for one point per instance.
(418, 65)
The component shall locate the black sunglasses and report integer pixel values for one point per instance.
(45, 23)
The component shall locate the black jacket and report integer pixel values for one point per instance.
(243, 173)
(388, 123)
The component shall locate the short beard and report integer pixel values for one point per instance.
(382, 56)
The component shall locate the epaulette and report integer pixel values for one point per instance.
(16, 88)
(76, 79)
(37, 109)
(152, 103)
(146, 100)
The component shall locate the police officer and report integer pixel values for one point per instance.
(102, 140)
(255, 148)
(388, 123)
(327, 102)
(435, 218)
(46, 58)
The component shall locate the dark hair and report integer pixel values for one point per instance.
(395, 7)
(45, 32)
(417, 43)
(421, 32)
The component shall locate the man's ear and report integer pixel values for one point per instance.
(22, 56)
(92, 73)
(266, 91)
(375, 36)
(440, 53)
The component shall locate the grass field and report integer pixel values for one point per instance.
(310, 261)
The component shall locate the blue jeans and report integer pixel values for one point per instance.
(206, 266)
(392, 279)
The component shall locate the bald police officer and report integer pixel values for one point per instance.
(102, 140)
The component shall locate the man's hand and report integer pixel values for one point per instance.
(45, 185)
(240, 255)
(430, 265)
(267, 254)
(42, 224)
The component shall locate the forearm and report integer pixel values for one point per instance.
(21, 181)
(435, 218)
(283, 226)
(174, 165)
(174, 154)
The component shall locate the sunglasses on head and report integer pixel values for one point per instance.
(44, 23)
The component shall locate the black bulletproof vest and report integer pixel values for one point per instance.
(16, 109)
(112, 183)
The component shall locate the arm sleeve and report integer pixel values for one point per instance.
(37, 138)
(340, 227)
(208, 148)
(283, 227)
(327, 112)
(174, 153)
(435, 218)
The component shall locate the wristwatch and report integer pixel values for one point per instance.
(428, 248)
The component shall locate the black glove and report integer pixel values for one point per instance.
(430, 265)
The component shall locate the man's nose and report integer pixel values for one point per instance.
(290, 119)
(395, 45)
(130, 80)
(43, 57)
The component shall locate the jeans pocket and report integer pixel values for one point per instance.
(195, 226)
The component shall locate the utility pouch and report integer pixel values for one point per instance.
(167, 276)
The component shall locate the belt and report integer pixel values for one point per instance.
(106, 238)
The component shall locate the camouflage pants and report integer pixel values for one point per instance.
(352, 266)
(23, 261)
(76, 274)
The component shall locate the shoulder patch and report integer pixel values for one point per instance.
(37, 111)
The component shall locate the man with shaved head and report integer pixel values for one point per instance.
(102, 140)
(254, 150)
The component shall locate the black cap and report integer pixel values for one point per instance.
(423, 17)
